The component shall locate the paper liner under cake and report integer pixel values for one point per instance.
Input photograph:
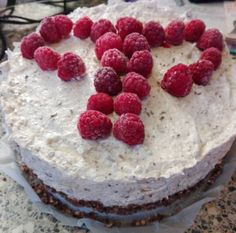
(135, 215)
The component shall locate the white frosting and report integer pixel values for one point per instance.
(185, 137)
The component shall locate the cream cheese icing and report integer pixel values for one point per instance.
(185, 137)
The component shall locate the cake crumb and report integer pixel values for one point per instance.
(53, 115)
(162, 118)
(197, 93)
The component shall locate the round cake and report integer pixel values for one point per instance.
(185, 138)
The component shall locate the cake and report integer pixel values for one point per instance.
(185, 141)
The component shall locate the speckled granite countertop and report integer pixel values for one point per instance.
(18, 215)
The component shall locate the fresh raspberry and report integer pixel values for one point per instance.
(82, 27)
(115, 59)
(141, 62)
(55, 28)
(135, 42)
(201, 71)
(130, 129)
(177, 81)
(210, 38)
(127, 25)
(46, 58)
(30, 43)
(107, 81)
(127, 102)
(136, 83)
(109, 40)
(94, 125)
(166, 45)
(101, 102)
(101, 27)
(49, 31)
(70, 66)
(64, 25)
(194, 29)
(154, 33)
(213, 55)
(174, 32)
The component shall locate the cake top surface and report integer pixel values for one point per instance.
(42, 110)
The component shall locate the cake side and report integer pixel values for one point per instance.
(115, 215)
(185, 138)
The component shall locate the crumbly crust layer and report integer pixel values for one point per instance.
(45, 194)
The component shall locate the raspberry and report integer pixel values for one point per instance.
(201, 71)
(127, 25)
(107, 41)
(177, 81)
(154, 33)
(94, 125)
(130, 129)
(115, 59)
(82, 27)
(136, 83)
(174, 32)
(213, 55)
(107, 81)
(63, 25)
(101, 27)
(55, 28)
(194, 29)
(49, 31)
(101, 102)
(127, 102)
(46, 58)
(70, 66)
(134, 42)
(30, 43)
(141, 62)
(210, 38)
(166, 45)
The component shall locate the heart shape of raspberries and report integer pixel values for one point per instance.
(123, 50)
